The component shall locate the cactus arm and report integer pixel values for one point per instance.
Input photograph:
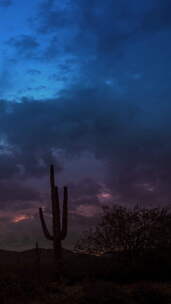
(65, 215)
(44, 227)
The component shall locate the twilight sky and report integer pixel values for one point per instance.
(84, 84)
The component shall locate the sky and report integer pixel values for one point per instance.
(84, 85)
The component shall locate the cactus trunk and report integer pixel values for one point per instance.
(37, 261)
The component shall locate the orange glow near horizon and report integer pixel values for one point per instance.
(20, 218)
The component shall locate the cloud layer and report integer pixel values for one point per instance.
(84, 85)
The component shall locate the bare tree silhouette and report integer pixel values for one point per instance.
(125, 229)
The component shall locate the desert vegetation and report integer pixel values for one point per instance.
(128, 230)
(59, 234)
(124, 259)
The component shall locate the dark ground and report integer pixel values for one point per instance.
(121, 279)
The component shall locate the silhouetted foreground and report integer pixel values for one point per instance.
(59, 223)
(86, 278)
(128, 230)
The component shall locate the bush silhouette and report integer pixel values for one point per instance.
(129, 230)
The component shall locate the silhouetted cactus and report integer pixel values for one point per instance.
(37, 260)
(37, 252)
(59, 229)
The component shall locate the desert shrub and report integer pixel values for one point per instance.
(129, 230)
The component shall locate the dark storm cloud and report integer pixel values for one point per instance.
(13, 192)
(106, 40)
(135, 146)
(102, 27)
(53, 124)
(84, 192)
(8, 165)
(86, 23)
(51, 17)
(158, 17)
(26, 161)
(25, 45)
(28, 149)
(103, 30)
(6, 3)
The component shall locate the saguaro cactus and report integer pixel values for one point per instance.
(59, 230)
(37, 260)
(37, 254)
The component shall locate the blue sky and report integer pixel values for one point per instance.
(84, 84)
